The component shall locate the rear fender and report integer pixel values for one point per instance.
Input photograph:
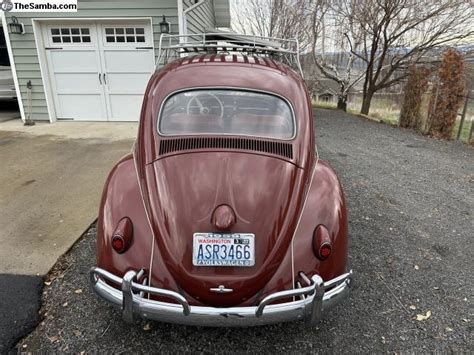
(325, 205)
(121, 198)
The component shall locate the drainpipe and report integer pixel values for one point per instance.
(180, 20)
(185, 12)
(29, 89)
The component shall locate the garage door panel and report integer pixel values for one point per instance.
(131, 60)
(77, 83)
(74, 61)
(82, 107)
(125, 107)
(122, 83)
(99, 69)
(128, 71)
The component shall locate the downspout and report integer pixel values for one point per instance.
(185, 12)
(180, 20)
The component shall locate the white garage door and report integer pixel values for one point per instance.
(99, 71)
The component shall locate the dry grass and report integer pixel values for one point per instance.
(387, 110)
(325, 105)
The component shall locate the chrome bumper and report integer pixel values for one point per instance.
(311, 302)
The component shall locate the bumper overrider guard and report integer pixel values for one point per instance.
(308, 303)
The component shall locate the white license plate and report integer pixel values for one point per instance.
(212, 249)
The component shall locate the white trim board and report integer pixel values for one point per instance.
(12, 66)
(39, 42)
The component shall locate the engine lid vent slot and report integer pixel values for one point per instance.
(283, 149)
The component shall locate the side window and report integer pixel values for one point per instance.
(70, 35)
(125, 35)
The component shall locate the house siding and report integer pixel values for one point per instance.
(202, 18)
(26, 55)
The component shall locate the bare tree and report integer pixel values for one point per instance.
(397, 32)
(272, 18)
(386, 36)
(379, 37)
(329, 29)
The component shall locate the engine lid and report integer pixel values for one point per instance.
(263, 196)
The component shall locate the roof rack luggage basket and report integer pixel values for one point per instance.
(172, 47)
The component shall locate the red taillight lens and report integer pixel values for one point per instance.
(322, 247)
(123, 234)
(324, 251)
(118, 244)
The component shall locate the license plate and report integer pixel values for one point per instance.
(212, 249)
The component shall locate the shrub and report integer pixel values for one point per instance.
(417, 83)
(447, 95)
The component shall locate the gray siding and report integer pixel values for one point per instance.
(202, 18)
(26, 55)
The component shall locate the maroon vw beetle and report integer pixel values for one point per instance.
(223, 215)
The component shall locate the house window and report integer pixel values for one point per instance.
(70, 35)
(125, 34)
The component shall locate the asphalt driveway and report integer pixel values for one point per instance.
(411, 204)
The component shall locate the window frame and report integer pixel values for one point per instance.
(135, 35)
(228, 88)
(70, 26)
(147, 34)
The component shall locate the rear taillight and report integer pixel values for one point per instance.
(123, 235)
(118, 243)
(322, 247)
(324, 251)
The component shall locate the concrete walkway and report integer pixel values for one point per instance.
(51, 182)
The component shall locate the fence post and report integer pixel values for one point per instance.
(463, 116)
(469, 140)
(429, 121)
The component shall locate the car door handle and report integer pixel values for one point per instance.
(100, 81)
(105, 81)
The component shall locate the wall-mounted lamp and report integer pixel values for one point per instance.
(15, 26)
(164, 25)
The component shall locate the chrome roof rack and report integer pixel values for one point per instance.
(172, 47)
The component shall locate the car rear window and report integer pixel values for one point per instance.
(226, 112)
